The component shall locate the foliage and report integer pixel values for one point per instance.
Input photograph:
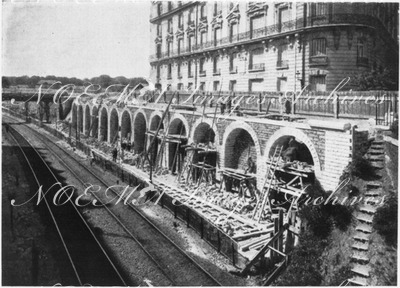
(341, 215)
(305, 262)
(385, 220)
(318, 219)
(343, 273)
(103, 80)
(385, 79)
(394, 128)
(360, 168)
(5, 83)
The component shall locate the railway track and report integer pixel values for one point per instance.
(77, 241)
(173, 262)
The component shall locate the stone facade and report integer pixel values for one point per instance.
(274, 46)
(330, 146)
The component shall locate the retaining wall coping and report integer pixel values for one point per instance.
(391, 140)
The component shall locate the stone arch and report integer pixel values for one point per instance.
(80, 119)
(283, 134)
(103, 135)
(240, 143)
(95, 122)
(173, 122)
(199, 131)
(175, 154)
(139, 130)
(88, 121)
(155, 119)
(74, 119)
(114, 126)
(126, 125)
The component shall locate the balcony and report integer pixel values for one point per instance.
(217, 72)
(362, 61)
(318, 60)
(257, 67)
(202, 73)
(161, 14)
(282, 64)
(292, 25)
(233, 70)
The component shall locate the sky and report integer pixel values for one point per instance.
(76, 38)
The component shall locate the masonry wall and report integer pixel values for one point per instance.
(331, 149)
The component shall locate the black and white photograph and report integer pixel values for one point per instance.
(199, 143)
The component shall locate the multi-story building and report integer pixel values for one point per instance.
(269, 46)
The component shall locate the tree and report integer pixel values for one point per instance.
(385, 79)
(5, 82)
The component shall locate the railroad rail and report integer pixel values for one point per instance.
(176, 265)
(36, 163)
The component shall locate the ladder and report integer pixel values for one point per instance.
(270, 177)
(187, 167)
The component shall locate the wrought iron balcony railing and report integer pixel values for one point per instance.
(282, 64)
(318, 60)
(257, 67)
(292, 25)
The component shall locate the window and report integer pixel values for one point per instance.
(158, 73)
(180, 86)
(232, 85)
(202, 86)
(233, 32)
(203, 37)
(256, 61)
(190, 86)
(180, 20)
(284, 15)
(319, 9)
(180, 45)
(282, 57)
(203, 11)
(362, 58)
(170, 25)
(179, 71)
(360, 49)
(170, 5)
(282, 81)
(216, 85)
(169, 71)
(158, 51)
(190, 75)
(233, 63)
(217, 7)
(190, 42)
(169, 48)
(217, 36)
(158, 30)
(216, 70)
(256, 85)
(257, 25)
(317, 83)
(201, 68)
(318, 47)
(190, 17)
(159, 9)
